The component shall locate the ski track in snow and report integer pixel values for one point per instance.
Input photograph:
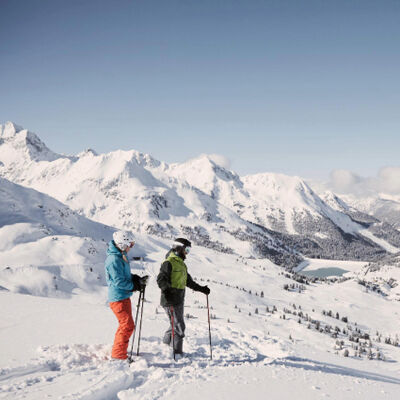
(86, 372)
(93, 375)
(240, 360)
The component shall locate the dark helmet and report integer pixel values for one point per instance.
(181, 242)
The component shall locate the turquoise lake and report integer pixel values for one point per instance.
(324, 272)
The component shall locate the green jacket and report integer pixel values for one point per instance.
(173, 279)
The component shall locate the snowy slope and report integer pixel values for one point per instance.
(27, 206)
(45, 247)
(256, 352)
(382, 206)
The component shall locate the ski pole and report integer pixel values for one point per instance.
(209, 327)
(137, 313)
(173, 331)
(141, 319)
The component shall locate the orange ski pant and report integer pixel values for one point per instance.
(123, 311)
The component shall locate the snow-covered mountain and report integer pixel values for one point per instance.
(267, 215)
(368, 199)
(46, 245)
(384, 233)
(384, 207)
(313, 225)
(327, 338)
(16, 140)
(21, 205)
(130, 190)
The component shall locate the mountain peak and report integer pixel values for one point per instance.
(9, 129)
(215, 160)
(88, 152)
(25, 143)
(277, 181)
(282, 191)
(205, 172)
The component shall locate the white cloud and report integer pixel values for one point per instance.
(347, 182)
(344, 181)
(389, 180)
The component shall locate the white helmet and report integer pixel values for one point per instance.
(123, 239)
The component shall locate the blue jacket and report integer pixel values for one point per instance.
(118, 274)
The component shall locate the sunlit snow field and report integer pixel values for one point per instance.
(58, 346)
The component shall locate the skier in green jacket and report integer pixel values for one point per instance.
(172, 280)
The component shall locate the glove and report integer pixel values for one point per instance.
(205, 290)
(135, 282)
(139, 282)
(167, 292)
(143, 281)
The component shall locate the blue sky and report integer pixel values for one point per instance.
(299, 87)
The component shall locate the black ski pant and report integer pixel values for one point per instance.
(179, 327)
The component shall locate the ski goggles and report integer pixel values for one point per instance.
(187, 250)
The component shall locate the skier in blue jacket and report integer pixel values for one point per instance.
(121, 284)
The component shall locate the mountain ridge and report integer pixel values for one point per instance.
(268, 215)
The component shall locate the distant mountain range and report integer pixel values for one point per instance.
(264, 215)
